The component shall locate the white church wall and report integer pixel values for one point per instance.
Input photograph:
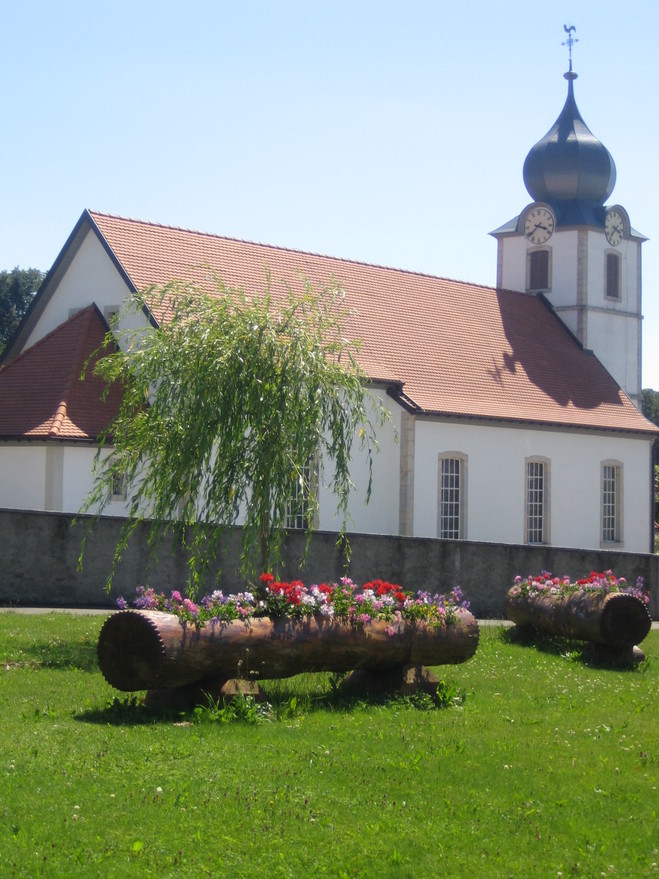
(564, 256)
(615, 342)
(495, 483)
(613, 333)
(32, 479)
(513, 263)
(495, 506)
(48, 477)
(381, 515)
(22, 476)
(78, 481)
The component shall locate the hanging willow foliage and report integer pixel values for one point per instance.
(226, 403)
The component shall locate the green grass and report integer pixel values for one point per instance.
(548, 769)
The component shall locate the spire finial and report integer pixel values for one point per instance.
(569, 30)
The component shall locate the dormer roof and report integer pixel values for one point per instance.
(42, 395)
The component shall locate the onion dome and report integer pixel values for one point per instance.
(570, 168)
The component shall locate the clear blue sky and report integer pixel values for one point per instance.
(386, 132)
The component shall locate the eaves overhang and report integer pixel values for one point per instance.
(650, 432)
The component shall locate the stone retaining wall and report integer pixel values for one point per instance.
(39, 563)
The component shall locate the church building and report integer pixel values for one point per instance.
(514, 407)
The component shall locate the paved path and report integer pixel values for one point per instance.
(79, 611)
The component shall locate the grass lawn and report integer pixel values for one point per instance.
(547, 769)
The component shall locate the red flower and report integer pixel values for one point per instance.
(266, 578)
(293, 591)
(399, 596)
(380, 587)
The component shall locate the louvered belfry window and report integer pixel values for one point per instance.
(539, 270)
(613, 275)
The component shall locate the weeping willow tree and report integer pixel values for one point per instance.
(225, 405)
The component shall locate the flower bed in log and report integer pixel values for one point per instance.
(282, 629)
(600, 608)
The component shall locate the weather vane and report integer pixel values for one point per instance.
(569, 29)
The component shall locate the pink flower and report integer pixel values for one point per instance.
(191, 607)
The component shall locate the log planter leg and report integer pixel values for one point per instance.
(202, 694)
(403, 680)
(615, 656)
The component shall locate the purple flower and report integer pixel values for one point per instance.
(122, 604)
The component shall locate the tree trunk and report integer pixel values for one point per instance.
(618, 620)
(148, 649)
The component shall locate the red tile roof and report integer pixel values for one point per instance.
(41, 394)
(459, 349)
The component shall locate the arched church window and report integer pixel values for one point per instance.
(537, 501)
(611, 488)
(451, 518)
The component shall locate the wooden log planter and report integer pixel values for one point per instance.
(153, 650)
(617, 622)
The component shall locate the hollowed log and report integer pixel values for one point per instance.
(148, 649)
(618, 619)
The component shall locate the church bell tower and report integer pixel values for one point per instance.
(569, 246)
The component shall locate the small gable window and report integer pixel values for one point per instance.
(539, 265)
(613, 275)
(119, 487)
(109, 313)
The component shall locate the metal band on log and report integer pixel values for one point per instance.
(148, 649)
(617, 620)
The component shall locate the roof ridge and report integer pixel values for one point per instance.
(281, 248)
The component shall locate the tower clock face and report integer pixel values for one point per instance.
(539, 225)
(614, 228)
